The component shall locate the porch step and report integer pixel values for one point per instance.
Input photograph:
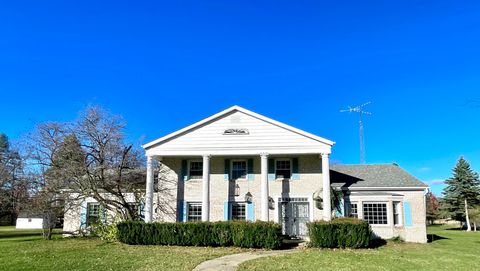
(293, 243)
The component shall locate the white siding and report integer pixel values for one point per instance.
(29, 223)
(262, 137)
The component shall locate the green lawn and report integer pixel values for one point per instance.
(25, 250)
(459, 251)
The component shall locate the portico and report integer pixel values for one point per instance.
(265, 197)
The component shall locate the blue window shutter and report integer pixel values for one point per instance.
(407, 211)
(226, 211)
(271, 169)
(250, 175)
(184, 211)
(295, 173)
(250, 211)
(184, 170)
(226, 176)
(180, 211)
(83, 215)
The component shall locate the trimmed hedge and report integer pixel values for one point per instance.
(232, 233)
(340, 233)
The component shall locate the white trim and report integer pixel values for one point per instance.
(245, 111)
(235, 151)
(400, 213)
(389, 223)
(188, 203)
(386, 188)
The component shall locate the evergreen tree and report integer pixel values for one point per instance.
(462, 191)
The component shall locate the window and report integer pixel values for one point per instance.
(353, 210)
(283, 169)
(239, 169)
(194, 211)
(238, 211)
(93, 213)
(396, 213)
(375, 213)
(195, 170)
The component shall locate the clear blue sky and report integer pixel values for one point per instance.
(165, 65)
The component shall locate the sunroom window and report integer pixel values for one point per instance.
(375, 213)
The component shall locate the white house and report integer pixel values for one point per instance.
(239, 165)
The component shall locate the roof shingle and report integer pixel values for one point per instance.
(374, 175)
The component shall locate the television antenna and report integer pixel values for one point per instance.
(359, 109)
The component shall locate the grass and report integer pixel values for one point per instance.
(450, 250)
(26, 250)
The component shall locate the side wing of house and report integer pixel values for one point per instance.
(389, 198)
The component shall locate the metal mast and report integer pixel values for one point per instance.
(359, 109)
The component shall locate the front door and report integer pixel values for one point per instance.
(294, 215)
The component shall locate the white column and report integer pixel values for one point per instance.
(206, 189)
(264, 185)
(327, 208)
(149, 191)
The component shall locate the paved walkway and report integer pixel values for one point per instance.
(231, 262)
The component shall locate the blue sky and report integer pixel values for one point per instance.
(164, 65)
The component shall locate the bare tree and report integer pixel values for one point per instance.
(85, 158)
(113, 168)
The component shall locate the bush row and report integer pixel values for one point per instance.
(231, 233)
(340, 233)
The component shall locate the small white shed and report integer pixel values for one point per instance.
(29, 221)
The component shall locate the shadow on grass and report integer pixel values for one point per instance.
(16, 234)
(433, 237)
(456, 229)
(377, 242)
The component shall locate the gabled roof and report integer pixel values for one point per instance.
(375, 175)
(229, 111)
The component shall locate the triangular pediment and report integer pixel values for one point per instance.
(237, 128)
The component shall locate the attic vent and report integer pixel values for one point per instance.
(236, 131)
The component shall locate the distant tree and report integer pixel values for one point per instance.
(433, 207)
(13, 187)
(45, 146)
(462, 191)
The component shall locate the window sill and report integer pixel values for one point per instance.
(282, 179)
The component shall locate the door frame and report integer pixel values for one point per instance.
(309, 201)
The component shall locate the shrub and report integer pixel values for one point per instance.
(240, 234)
(340, 233)
(104, 231)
